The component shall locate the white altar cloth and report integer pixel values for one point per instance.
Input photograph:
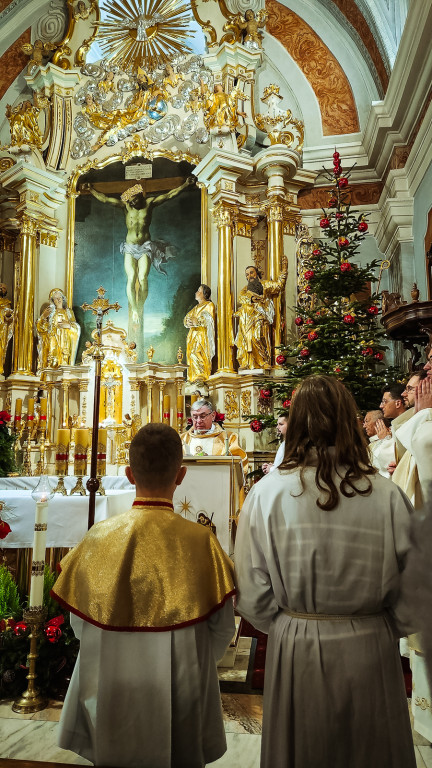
(211, 486)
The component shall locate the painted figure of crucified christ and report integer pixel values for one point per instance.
(138, 249)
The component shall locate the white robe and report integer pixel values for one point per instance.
(381, 452)
(148, 699)
(334, 694)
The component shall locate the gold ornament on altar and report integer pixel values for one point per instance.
(150, 353)
(275, 121)
(6, 324)
(200, 343)
(145, 31)
(58, 333)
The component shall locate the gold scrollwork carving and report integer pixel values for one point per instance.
(6, 163)
(246, 402)
(259, 250)
(207, 28)
(48, 238)
(290, 226)
(231, 405)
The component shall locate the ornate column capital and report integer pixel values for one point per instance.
(225, 214)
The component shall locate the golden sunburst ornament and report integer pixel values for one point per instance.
(150, 32)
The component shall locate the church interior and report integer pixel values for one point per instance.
(155, 160)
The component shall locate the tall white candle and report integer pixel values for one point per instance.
(38, 557)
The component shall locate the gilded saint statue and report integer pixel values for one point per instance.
(6, 324)
(24, 123)
(256, 315)
(200, 345)
(221, 113)
(58, 333)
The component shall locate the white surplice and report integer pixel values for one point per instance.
(148, 699)
(334, 694)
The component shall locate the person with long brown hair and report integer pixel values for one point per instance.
(320, 550)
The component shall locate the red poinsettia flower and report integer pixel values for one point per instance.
(286, 403)
(4, 418)
(5, 529)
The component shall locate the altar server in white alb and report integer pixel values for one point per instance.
(320, 551)
(150, 596)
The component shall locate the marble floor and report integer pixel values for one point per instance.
(34, 737)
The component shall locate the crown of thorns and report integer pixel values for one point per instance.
(131, 192)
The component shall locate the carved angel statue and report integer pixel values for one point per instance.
(6, 324)
(172, 78)
(24, 122)
(248, 27)
(221, 113)
(37, 52)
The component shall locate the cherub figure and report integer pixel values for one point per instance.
(250, 26)
(106, 85)
(37, 51)
(172, 78)
(82, 12)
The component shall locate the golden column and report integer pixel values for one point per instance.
(275, 225)
(225, 215)
(23, 332)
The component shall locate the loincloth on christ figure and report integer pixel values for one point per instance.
(156, 250)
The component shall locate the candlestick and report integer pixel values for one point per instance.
(61, 459)
(101, 452)
(80, 459)
(18, 413)
(166, 409)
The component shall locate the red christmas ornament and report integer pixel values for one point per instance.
(53, 633)
(332, 203)
(345, 266)
(317, 252)
(4, 528)
(367, 352)
(324, 223)
(343, 182)
(373, 310)
(286, 403)
(336, 155)
(281, 359)
(362, 227)
(340, 216)
(265, 394)
(312, 336)
(309, 321)
(298, 321)
(349, 319)
(378, 356)
(337, 369)
(307, 289)
(304, 352)
(256, 425)
(20, 628)
(309, 274)
(343, 242)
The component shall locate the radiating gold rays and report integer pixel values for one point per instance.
(144, 32)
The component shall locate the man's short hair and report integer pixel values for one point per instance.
(422, 374)
(155, 455)
(206, 291)
(202, 403)
(394, 390)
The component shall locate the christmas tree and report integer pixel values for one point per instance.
(337, 316)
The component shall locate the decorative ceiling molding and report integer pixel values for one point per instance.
(361, 194)
(357, 20)
(324, 73)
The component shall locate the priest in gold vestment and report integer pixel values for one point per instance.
(256, 316)
(200, 345)
(206, 438)
(150, 600)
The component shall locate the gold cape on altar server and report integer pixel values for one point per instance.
(182, 573)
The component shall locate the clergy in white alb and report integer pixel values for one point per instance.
(150, 595)
(319, 570)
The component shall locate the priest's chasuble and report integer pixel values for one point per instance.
(215, 442)
(150, 598)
